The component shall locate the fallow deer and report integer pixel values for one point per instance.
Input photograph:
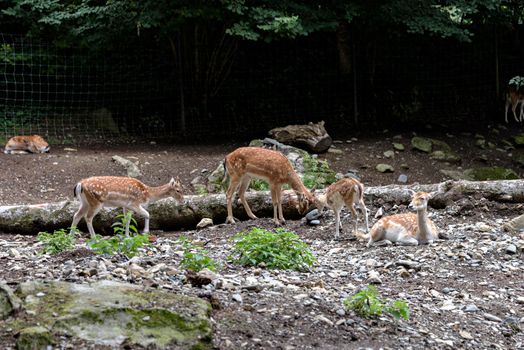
(348, 192)
(514, 97)
(409, 228)
(116, 191)
(26, 144)
(244, 163)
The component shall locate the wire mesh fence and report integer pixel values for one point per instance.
(77, 95)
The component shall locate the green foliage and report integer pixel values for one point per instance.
(120, 243)
(195, 258)
(367, 303)
(119, 227)
(280, 249)
(317, 173)
(58, 241)
(259, 185)
(517, 81)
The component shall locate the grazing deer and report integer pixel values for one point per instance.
(348, 192)
(116, 191)
(244, 163)
(406, 229)
(514, 96)
(26, 144)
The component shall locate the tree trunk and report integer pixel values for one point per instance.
(166, 214)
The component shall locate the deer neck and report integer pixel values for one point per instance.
(158, 192)
(296, 184)
(422, 222)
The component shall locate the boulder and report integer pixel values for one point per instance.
(109, 313)
(313, 137)
(384, 168)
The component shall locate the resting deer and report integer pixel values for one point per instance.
(26, 144)
(514, 96)
(406, 229)
(244, 163)
(116, 191)
(348, 192)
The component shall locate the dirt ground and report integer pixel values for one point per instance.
(292, 310)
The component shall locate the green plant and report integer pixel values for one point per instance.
(259, 185)
(119, 227)
(280, 249)
(367, 303)
(195, 258)
(120, 243)
(58, 241)
(317, 173)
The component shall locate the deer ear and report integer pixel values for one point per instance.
(411, 192)
(432, 194)
(172, 181)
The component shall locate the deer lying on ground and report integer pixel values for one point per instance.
(406, 229)
(244, 163)
(514, 97)
(116, 191)
(26, 144)
(348, 192)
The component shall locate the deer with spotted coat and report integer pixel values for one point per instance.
(117, 191)
(246, 163)
(408, 228)
(345, 192)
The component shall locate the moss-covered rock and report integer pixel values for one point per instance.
(112, 313)
(384, 168)
(422, 144)
(519, 139)
(491, 173)
(445, 156)
(35, 338)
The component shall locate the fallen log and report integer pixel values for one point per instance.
(166, 214)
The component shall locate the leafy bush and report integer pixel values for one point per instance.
(280, 249)
(120, 243)
(195, 258)
(367, 303)
(259, 185)
(56, 242)
(317, 173)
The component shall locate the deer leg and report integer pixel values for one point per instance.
(233, 185)
(338, 226)
(365, 212)
(514, 109)
(80, 213)
(91, 213)
(244, 184)
(407, 240)
(354, 216)
(142, 212)
(274, 199)
(279, 204)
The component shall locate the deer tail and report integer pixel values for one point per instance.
(77, 190)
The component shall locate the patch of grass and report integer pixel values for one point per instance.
(278, 249)
(317, 173)
(58, 241)
(195, 258)
(120, 243)
(368, 303)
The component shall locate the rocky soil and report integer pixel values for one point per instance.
(464, 292)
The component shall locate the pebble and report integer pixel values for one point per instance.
(471, 308)
(511, 249)
(205, 222)
(491, 317)
(237, 298)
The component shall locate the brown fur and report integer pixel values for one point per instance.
(26, 144)
(513, 98)
(115, 191)
(247, 162)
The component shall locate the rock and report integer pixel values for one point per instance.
(398, 146)
(314, 222)
(492, 318)
(237, 298)
(466, 335)
(422, 144)
(201, 278)
(9, 302)
(511, 249)
(374, 277)
(515, 224)
(335, 151)
(384, 168)
(471, 308)
(313, 136)
(389, 154)
(132, 168)
(205, 222)
(107, 313)
(519, 139)
(491, 173)
(313, 215)
(14, 253)
(403, 178)
(445, 156)
(37, 337)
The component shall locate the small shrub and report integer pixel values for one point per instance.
(195, 258)
(56, 242)
(259, 185)
(367, 303)
(280, 249)
(120, 243)
(317, 173)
